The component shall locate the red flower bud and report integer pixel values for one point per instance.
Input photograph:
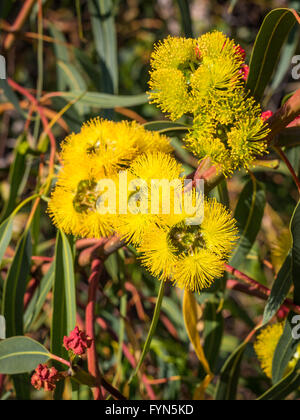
(45, 378)
(198, 53)
(266, 115)
(241, 52)
(245, 71)
(77, 342)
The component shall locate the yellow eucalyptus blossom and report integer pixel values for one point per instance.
(233, 138)
(191, 256)
(73, 204)
(151, 177)
(266, 344)
(110, 146)
(188, 74)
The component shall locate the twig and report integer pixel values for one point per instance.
(257, 288)
(96, 270)
(289, 166)
(19, 22)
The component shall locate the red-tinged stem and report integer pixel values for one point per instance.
(289, 166)
(23, 91)
(96, 270)
(19, 22)
(257, 288)
(60, 360)
(32, 285)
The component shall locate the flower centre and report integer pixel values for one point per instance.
(186, 239)
(86, 196)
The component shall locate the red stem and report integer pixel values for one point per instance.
(23, 91)
(96, 270)
(258, 288)
(289, 166)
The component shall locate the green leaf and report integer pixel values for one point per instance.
(21, 355)
(286, 348)
(6, 229)
(284, 388)
(228, 382)
(104, 100)
(269, 41)
(186, 19)
(166, 127)
(38, 299)
(249, 213)
(88, 67)
(16, 174)
(213, 333)
(280, 290)
(75, 82)
(69, 282)
(61, 52)
(103, 26)
(151, 330)
(15, 287)
(59, 327)
(59, 321)
(287, 53)
(295, 229)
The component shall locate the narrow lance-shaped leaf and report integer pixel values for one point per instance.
(16, 175)
(152, 329)
(15, 287)
(280, 290)
(213, 333)
(249, 213)
(6, 230)
(103, 100)
(283, 388)
(295, 229)
(228, 382)
(285, 350)
(69, 282)
(269, 41)
(103, 25)
(38, 299)
(190, 319)
(59, 315)
(186, 18)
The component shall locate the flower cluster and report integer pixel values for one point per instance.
(205, 78)
(100, 150)
(121, 178)
(192, 257)
(77, 342)
(265, 346)
(45, 378)
(158, 223)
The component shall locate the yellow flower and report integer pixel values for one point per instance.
(73, 204)
(149, 202)
(110, 146)
(265, 346)
(188, 74)
(232, 134)
(218, 228)
(190, 256)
